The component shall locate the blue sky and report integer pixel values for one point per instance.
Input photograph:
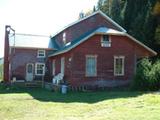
(43, 17)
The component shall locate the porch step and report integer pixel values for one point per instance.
(33, 84)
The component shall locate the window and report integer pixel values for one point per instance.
(64, 38)
(40, 69)
(118, 65)
(91, 65)
(41, 53)
(29, 69)
(105, 41)
(53, 67)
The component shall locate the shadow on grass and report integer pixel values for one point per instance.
(81, 97)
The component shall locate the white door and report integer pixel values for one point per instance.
(62, 65)
(29, 72)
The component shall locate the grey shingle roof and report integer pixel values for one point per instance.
(31, 41)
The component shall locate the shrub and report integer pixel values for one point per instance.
(1, 72)
(147, 75)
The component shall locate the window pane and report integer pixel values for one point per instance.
(105, 38)
(41, 53)
(105, 42)
(29, 68)
(119, 66)
(40, 69)
(91, 66)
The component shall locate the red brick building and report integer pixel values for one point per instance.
(94, 51)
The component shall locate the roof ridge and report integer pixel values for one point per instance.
(94, 13)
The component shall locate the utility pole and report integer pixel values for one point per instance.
(6, 75)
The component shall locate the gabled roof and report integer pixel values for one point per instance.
(31, 41)
(101, 30)
(97, 12)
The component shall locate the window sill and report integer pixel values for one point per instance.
(39, 74)
(90, 75)
(40, 56)
(118, 75)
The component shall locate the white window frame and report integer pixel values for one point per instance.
(38, 54)
(123, 65)
(36, 68)
(91, 56)
(106, 43)
(53, 67)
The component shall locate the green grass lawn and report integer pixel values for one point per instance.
(40, 104)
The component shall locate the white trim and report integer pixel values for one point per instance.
(94, 33)
(53, 67)
(123, 65)
(97, 12)
(63, 65)
(86, 73)
(44, 53)
(36, 68)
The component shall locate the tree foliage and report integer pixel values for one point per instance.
(147, 76)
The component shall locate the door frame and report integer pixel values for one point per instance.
(27, 70)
